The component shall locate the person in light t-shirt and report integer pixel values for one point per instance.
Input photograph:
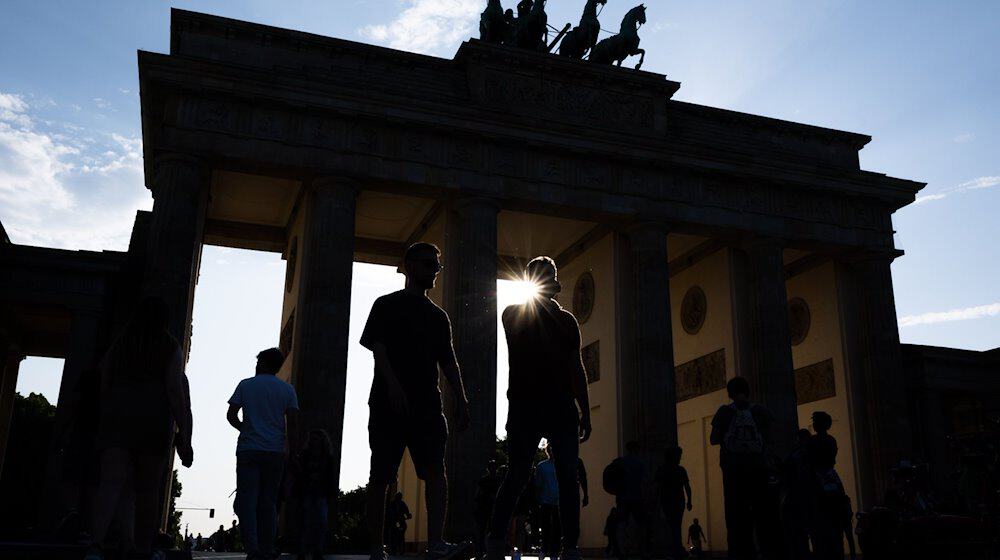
(269, 405)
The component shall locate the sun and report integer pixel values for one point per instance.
(523, 291)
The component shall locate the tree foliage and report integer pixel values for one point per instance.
(24, 465)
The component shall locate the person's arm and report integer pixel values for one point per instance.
(578, 383)
(687, 488)
(720, 423)
(234, 417)
(451, 371)
(292, 427)
(582, 475)
(180, 406)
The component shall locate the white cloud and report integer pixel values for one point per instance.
(965, 314)
(928, 198)
(59, 190)
(975, 184)
(964, 138)
(427, 26)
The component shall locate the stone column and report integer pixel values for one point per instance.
(887, 435)
(656, 388)
(173, 256)
(772, 377)
(10, 363)
(470, 260)
(322, 313)
(180, 191)
(61, 494)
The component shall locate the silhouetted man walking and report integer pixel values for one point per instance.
(410, 337)
(548, 398)
(742, 430)
(267, 402)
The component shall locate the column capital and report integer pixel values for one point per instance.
(176, 170)
(761, 242)
(647, 224)
(463, 203)
(339, 183)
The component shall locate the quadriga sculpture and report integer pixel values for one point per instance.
(619, 47)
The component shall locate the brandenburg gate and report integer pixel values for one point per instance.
(695, 243)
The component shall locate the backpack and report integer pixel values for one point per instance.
(743, 437)
(614, 477)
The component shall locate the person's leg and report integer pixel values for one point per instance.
(738, 514)
(385, 437)
(247, 493)
(426, 439)
(150, 470)
(521, 447)
(566, 455)
(115, 466)
(766, 515)
(272, 466)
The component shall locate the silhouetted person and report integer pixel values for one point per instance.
(742, 430)
(547, 395)
(611, 532)
(397, 514)
(269, 405)
(410, 337)
(315, 487)
(547, 492)
(675, 494)
(486, 493)
(630, 499)
(821, 449)
(694, 538)
(199, 542)
(798, 481)
(143, 393)
(831, 506)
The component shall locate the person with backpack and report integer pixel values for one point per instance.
(742, 429)
(624, 478)
(675, 494)
(831, 509)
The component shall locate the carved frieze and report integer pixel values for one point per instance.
(701, 376)
(815, 382)
(531, 95)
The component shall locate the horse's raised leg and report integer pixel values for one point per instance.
(642, 57)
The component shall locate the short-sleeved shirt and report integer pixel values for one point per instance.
(720, 423)
(635, 476)
(671, 480)
(821, 452)
(416, 334)
(264, 399)
(547, 483)
(543, 343)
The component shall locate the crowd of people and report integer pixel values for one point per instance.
(792, 508)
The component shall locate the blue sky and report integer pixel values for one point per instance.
(921, 77)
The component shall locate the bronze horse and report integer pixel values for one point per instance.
(583, 37)
(625, 44)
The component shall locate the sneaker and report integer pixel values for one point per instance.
(94, 554)
(570, 554)
(449, 551)
(381, 555)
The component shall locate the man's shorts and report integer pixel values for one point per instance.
(425, 434)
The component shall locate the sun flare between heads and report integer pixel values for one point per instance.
(523, 291)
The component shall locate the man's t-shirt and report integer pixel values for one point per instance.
(821, 451)
(543, 342)
(416, 334)
(671, 480)
(635, 476)
(264, 400)
(547, 483)
(720, 425)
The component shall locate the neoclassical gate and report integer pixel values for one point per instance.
(332, 152)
